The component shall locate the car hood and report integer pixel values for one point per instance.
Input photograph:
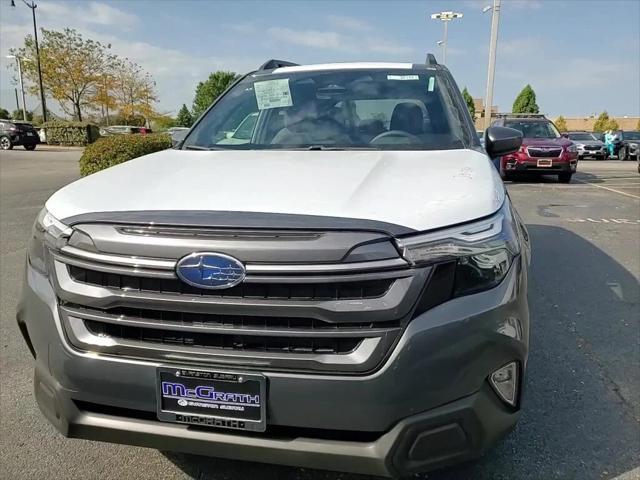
(588, 142)
(547, 142)
(420, 190)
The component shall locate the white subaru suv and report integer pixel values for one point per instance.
(325, 272)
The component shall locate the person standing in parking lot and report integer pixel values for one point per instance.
(609, 139)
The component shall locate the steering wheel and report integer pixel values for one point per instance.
(395, 134)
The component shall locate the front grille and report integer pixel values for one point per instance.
(366, 289)
(544, 152)
(324, 315)
(592, 147)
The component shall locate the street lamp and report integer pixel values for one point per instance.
(33, 7)
(24, 107)
(445, 17)
(493, 46)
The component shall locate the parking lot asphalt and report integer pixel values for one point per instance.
(581, 412)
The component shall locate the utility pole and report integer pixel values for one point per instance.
(106, 96)
(17, 101)
(445, 17)
(33, 7)
(24, 105)
(493, 46)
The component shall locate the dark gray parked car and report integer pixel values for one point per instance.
(628, 148)
(14, 133)
(343, 286)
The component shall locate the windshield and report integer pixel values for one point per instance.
(337, 109)
(631, 135)
(581, 136)
(536, 129)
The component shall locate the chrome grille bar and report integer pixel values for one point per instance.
(203, 328)
(158, 267)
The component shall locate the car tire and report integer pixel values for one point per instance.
(565, 177)
(622, 154)
(30, 147)
(6, 143)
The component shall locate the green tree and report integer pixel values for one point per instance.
(17, 115)
(184, 118)
(469, 101)
(561, 123)
(604, 123)
(209, 90)
(163, 122)
(72, 68)
(134, 91)
(526, 101)
(4, 114)
(638, 125)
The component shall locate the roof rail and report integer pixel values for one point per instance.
(523, 115)
(431, 59)
(271, 64)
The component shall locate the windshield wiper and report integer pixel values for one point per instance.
(329, 147)
(198, 147)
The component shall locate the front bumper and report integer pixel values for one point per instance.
(584, 153)
(557, 166)
(428, 405)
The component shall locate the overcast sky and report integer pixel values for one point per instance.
(580, 57)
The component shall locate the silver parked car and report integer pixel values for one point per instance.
(588, 145)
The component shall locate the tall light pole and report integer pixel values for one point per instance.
(493, 46)
(24, 105)
(445, 17)
(33, 7)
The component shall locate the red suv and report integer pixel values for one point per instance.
(544, 150)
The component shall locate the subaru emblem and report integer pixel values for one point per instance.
(210, 270)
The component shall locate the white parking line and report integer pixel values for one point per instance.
(607, 188)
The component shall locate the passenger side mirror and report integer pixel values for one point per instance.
(177, 137)
(565, 135)
(502, 141)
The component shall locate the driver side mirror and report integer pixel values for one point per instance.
(177, 137)
(501, 141)
(564, 135)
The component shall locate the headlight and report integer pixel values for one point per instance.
(572, 149)
(579, 145)
(47, 232)
(483, 250)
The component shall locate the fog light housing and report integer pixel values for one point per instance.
(505, 383)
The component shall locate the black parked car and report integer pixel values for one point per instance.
(628, 147)
(14, 133)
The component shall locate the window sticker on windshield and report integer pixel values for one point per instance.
(273, 93)
(403, 77)
(432, 83)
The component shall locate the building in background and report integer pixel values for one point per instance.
(573, 123)
(586, 123)
(478, 103)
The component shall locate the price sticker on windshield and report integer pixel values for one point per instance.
(273, 93)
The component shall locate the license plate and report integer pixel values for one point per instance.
(212, 398)
(545, 163)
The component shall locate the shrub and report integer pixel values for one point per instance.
(70, 133)
(110, 151)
